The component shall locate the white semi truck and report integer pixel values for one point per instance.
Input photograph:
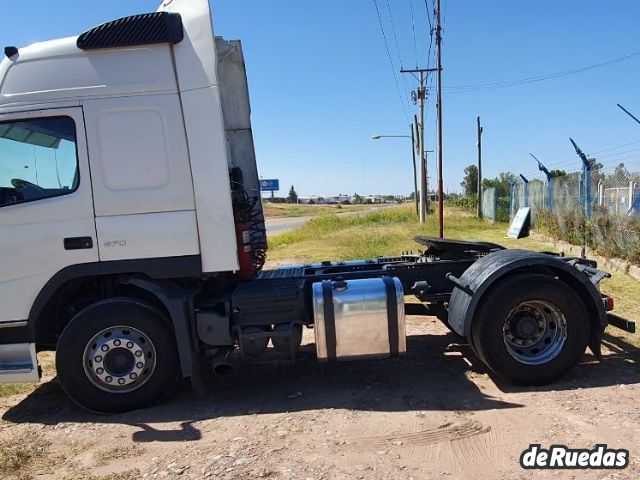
(132, 237)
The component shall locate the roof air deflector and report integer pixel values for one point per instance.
(144, 29)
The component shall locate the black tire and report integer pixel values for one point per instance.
(74, 347)
(490, 343)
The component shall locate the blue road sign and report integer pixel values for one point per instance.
(270, 185)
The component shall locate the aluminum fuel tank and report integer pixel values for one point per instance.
(359, 318)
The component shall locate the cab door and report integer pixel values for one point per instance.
(46, 206)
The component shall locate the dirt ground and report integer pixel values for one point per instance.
(435, 414)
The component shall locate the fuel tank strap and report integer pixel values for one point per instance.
(329, 320)
(392, 315)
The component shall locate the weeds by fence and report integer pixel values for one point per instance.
(602, 213)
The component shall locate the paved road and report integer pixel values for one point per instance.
(281, 225)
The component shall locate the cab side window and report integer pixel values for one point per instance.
(38, 159)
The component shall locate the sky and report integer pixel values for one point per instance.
(321, 82)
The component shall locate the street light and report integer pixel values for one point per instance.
(413, 153)
(378, 137)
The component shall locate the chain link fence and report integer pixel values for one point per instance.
(593, 208)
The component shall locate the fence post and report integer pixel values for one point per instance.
(495, 204)
(512, 202)
(600, 194)
(526, 190)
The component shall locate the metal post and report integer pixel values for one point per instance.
(495, 205)
(513, 182)
(526, 190)
(586, 172)
(628, 113)
(422, 95)
(479, 168)
(423, 165)
(415, 176)
(544, 169)
(439, 71)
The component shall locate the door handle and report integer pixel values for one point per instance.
(78, 243)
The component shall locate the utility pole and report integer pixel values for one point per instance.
(479, 169)
(422, 95)
(423, 165)
(416, 127)
(415, 176)
(439, 71)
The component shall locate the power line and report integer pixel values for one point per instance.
(413, 29)
(395, 37)
(429, 10)
(393, 68)
(539, 78)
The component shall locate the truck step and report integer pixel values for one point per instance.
(283, 272)
(18, 363)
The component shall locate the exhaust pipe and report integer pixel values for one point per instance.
(223, 368)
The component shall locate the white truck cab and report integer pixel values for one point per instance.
(132, 235)
(114, 157)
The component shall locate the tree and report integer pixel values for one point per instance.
(293, 196)
(501, 183)
(620, 176)
(358, 199)
(558, 173)
(470, 182)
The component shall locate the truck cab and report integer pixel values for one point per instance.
(116, 156)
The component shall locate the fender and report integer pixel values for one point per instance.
(484, 273)
(156, 268)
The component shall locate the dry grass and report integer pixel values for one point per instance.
(121, 451)
(19, 452)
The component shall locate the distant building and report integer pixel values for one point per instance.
(330, 200)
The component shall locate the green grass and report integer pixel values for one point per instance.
(381, 232)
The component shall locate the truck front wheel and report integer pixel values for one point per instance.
(117, 355)
(530, 328)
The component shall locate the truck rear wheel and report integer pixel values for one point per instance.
(117, 355)
(530, 328)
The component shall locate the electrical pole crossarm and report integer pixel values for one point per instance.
(418, 70)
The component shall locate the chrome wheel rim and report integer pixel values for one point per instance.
(119, 359)
(535, 332)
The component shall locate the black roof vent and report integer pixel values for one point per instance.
(145, 29)
(10, 51)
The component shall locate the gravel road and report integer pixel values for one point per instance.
(435, 414)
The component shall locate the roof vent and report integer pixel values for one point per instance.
(145, 29)
(10, 51)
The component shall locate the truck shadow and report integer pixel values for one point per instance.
(438, 374)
